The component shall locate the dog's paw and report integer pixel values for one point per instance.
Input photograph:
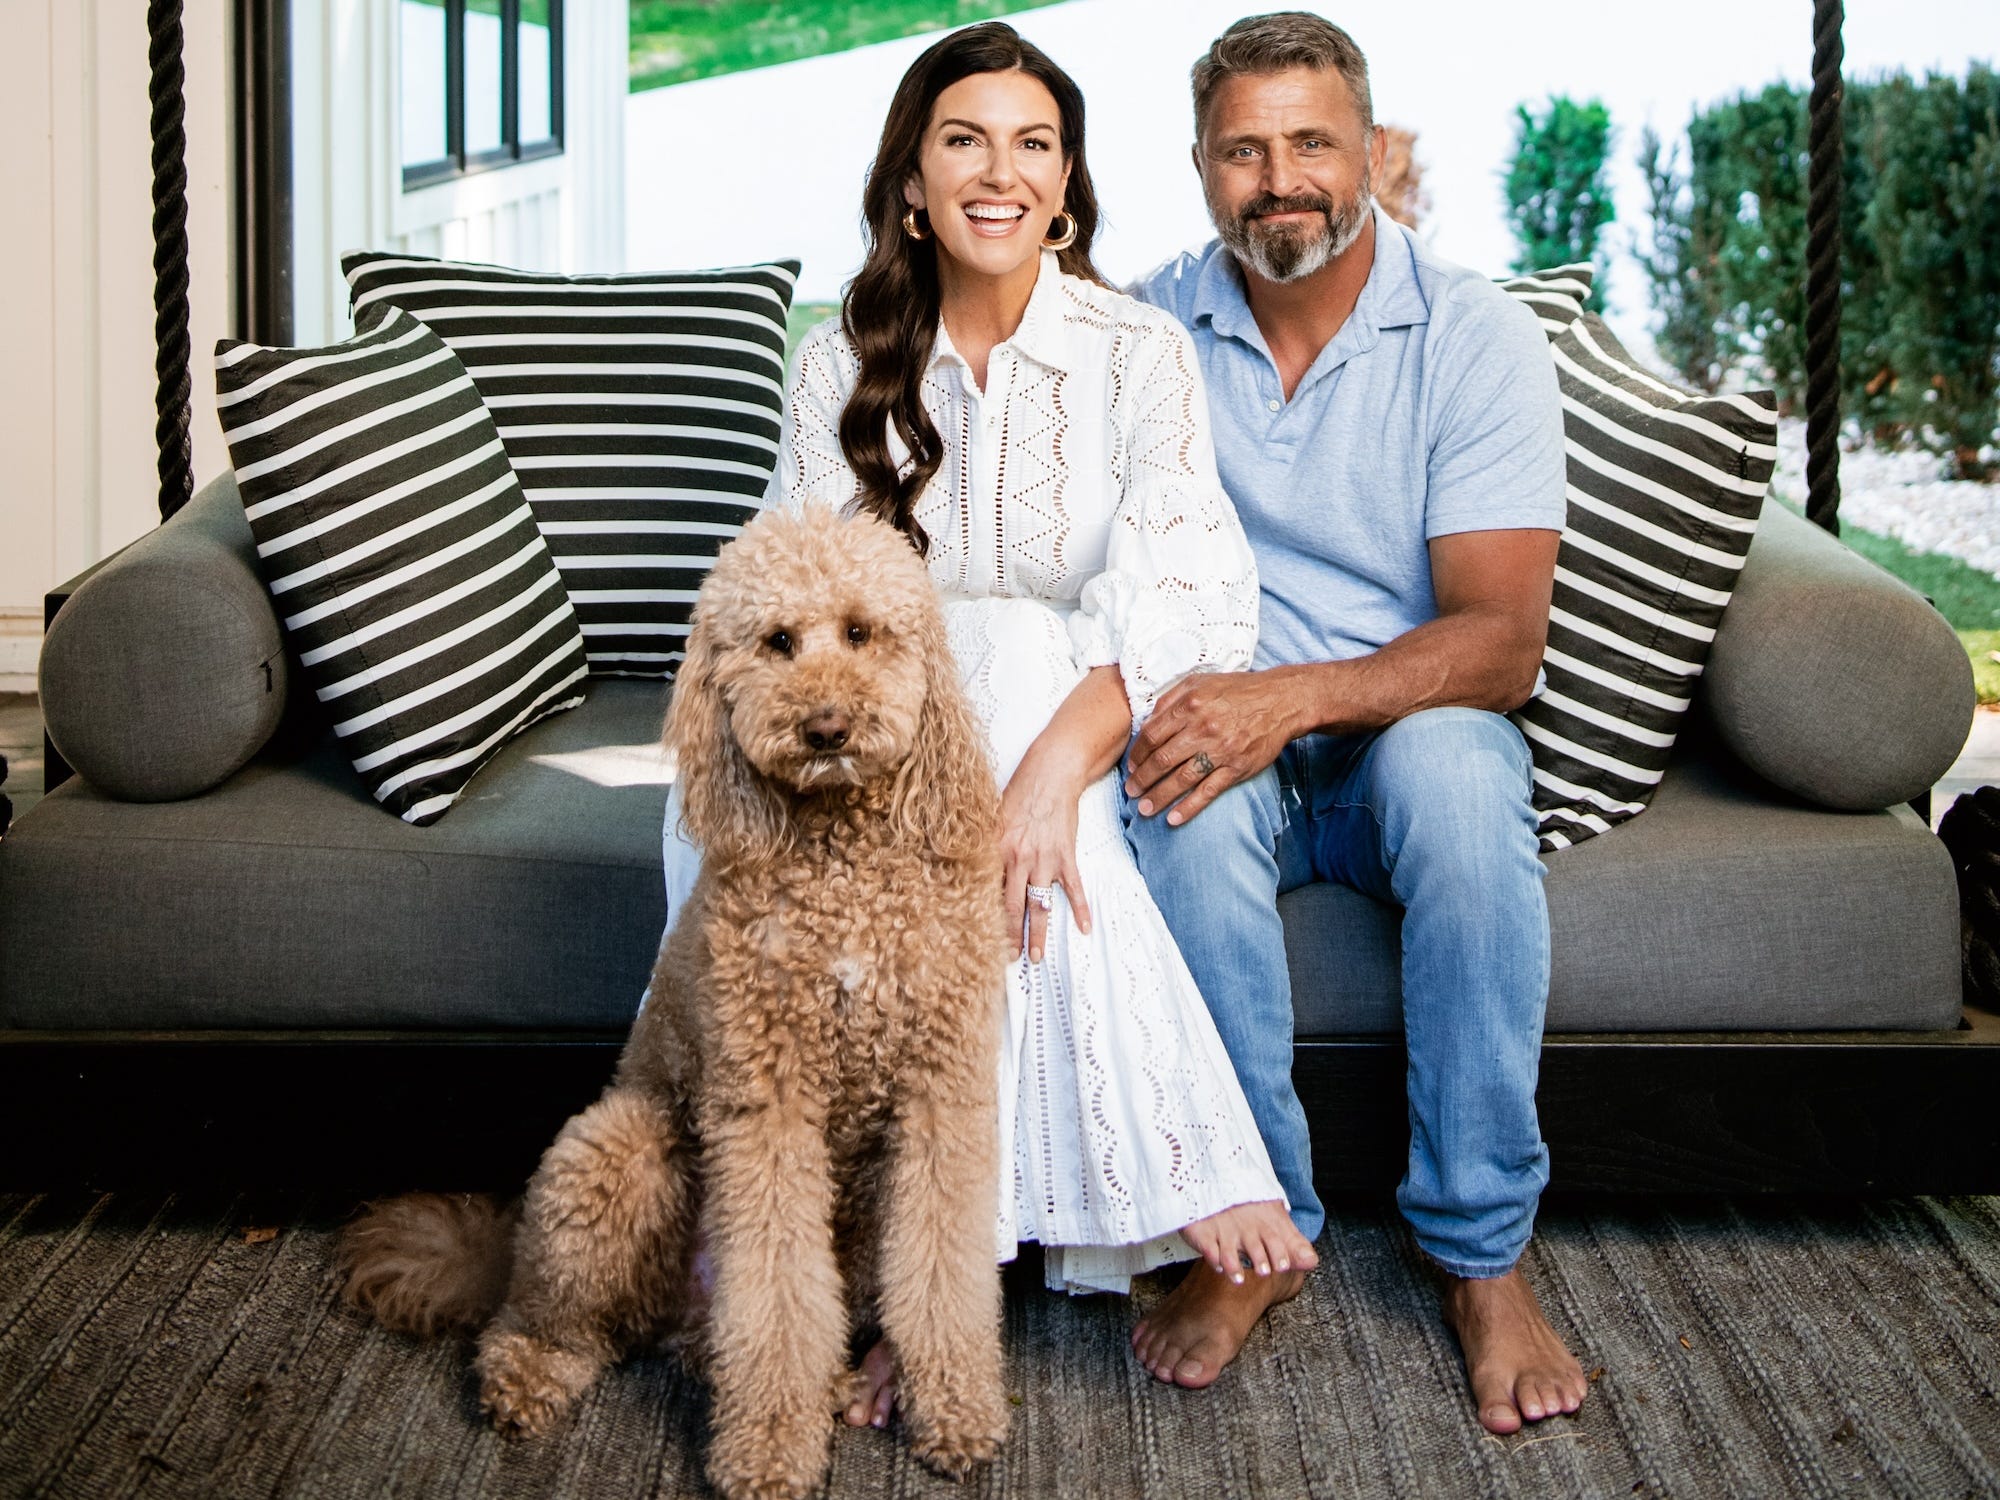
(957, 1444)
(527, 1386)
(777, 1460)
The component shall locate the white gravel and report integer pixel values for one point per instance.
(1899, 494)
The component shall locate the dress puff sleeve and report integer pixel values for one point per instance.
(1178, 593)
(812, 469)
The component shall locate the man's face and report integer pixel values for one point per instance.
(1287, 168)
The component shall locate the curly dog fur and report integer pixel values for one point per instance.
(800, 1140)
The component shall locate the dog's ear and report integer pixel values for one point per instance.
(728, 809)
(945, 792)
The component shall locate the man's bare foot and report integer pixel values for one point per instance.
(1259, 1234)
(1198, 1329)
(871, 1388)
(1519, 1369)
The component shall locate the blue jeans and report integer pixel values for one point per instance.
(1433, 815)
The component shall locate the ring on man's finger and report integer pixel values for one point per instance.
(1203, 766)
(1043, 896)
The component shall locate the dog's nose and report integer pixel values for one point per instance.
(826, 730)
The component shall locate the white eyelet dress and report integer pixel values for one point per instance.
(1077, 522)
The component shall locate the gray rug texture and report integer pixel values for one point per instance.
(192, 1347)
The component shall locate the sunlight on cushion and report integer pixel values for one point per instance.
(615, 765)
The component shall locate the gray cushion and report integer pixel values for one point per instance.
(164, 672)
(1721, 909)
(285, 898)
(1832, 679)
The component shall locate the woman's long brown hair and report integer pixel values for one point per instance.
(891, 310)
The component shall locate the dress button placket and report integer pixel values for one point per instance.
(979, 496)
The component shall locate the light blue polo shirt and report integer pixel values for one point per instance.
(1433, 411)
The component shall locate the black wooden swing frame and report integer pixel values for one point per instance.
(1814, 1113)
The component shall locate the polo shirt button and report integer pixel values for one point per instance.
(1276, 405)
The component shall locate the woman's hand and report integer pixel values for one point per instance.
(1082, 740)
(1038, 837)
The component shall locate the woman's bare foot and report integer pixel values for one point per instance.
(1200, 1327)
(1519, 1369)
(1259, 1234)
(871, 1388)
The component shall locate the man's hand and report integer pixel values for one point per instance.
(1207, 733)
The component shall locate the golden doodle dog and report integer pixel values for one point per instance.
(800, 1142)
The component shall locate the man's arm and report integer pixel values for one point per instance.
(1482, 651)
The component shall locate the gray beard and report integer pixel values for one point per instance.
(1283, 255)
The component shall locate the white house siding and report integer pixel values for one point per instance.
(76, 315)
(76, 318)
(561, 213)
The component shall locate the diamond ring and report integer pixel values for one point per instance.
(1043, 896)
(1203, 766)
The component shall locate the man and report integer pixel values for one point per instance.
(1389, 429)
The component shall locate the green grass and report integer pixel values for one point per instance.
(677, 41)
(1983, 646)
(1967, 597)
(803, 318)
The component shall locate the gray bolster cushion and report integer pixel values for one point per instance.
(1832, 679)
(164, 672)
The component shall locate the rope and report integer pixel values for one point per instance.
(171, 402)
(1825, 146)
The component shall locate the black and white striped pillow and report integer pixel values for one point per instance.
(1664, 491)
(403, 560)
(640, 411)
(1556, 296)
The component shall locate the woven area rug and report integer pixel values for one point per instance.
(186, 1347)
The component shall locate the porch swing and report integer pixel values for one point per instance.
(1742, 1111)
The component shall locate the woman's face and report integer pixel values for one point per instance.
(991, 173)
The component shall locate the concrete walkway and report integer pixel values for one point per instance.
(1978, 764)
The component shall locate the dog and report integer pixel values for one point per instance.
(800, 1143)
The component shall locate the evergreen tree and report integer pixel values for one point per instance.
(1920, 253)
(1934, 218)
(1748, 167)
(1558, 198)
(1680, 267)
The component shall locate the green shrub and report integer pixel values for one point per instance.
(1558, 195)
(1933, 218)
(1920, 240)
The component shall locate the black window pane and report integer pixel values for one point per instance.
(422, 87)
(482, 77)
(537, 73)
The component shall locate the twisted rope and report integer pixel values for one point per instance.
(171, 402)
(1825, 146)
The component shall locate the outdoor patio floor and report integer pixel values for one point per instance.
(197, 1347)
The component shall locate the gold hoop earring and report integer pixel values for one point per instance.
(1068, 236)
(910, 226)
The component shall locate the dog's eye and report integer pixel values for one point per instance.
(857, 634)
(780, 641)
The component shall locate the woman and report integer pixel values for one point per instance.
(1043, 442)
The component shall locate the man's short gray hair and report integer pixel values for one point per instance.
(1273, 43)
